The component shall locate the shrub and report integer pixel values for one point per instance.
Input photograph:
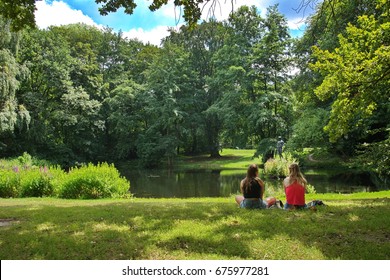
(9, 183)
(94, 181)
(310, 189)
(25, 159)
(40, 182)
(278, 167)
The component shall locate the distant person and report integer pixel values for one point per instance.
(294, 188)
(252, 188)
(279, 146)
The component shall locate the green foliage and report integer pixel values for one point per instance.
(94, 181)
(21, 13)
(374, 157)
(9, 183)
(25, 159)
(12, 114)
(266, 148)
(308, 130)
(21, 178)
(356, 75)
(310, 189)
(78, 93)
(30, 181)
(278, 167)
(36, 183)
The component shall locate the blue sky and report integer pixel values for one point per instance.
(150, 26)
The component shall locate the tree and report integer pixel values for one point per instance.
(324, 29)
(203, 123)
(357, 75)
(125, 118)
(271, 57)
(270, 62)
(65, 118)
(13, 114)
(233, 75)
(21, 12)
(170, 82)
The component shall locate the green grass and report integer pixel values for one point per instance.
(230, 159)
(354, 226)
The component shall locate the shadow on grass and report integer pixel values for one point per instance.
(195, 230)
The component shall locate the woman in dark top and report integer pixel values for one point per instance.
(252, 188)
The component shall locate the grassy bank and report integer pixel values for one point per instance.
(230, 159)
(354, 226)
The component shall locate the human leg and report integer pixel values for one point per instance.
(239, 199)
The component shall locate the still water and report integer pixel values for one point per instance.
(223, 183)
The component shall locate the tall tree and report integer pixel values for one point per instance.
(170, 84)
(202, 42)
(13, 114)
(357, 75)
(64, 117)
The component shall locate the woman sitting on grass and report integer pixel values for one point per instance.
(252, 188)
(294, 187)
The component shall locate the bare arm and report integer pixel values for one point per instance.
(286, 182)
(242, 186)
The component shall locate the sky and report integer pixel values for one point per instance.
(151, 27)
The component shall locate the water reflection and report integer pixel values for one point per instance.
(217, 183)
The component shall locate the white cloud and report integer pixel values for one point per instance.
(59, 13)
(296, 23)
(153, 36)
(223, 8)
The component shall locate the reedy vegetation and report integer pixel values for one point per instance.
(22, 178)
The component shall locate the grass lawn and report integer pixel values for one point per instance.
(355, 226)
(230, 159)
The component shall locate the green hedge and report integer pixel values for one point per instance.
(87, 182)
(94, 181)
(9, 183)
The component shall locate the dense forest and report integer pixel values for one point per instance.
(76, 93)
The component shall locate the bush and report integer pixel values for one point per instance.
(94, 181)
(9, 183)
(20, 177)
(278, 167)
(40, 182)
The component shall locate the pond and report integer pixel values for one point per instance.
(223, 183)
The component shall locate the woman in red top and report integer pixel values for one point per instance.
(294, 187)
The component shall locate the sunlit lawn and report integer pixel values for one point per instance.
(230, 159)
(350, 227)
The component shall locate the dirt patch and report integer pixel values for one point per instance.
(310, 158)
(6, 222)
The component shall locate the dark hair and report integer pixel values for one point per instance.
(251, 174)
(252, 171)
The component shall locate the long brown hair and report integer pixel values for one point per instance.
(251, 174)
(296, 175)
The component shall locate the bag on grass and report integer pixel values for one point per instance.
(315, 203)
(272, 202)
